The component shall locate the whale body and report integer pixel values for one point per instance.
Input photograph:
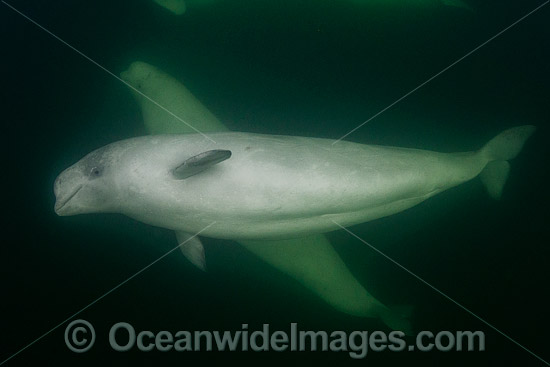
(271, 187)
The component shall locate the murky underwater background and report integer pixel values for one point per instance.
(313, 68)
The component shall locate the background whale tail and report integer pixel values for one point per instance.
(497, 152)
(397, 318)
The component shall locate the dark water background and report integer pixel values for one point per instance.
(314, 68)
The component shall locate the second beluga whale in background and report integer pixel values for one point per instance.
(179, 7)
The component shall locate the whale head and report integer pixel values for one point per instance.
(87, 186)
(135, 177)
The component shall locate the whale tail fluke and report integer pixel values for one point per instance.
(497, 152)
(508, 143)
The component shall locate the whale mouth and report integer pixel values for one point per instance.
(60, 204)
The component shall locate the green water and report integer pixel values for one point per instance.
(312, 68)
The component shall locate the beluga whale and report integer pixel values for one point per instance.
(244, 186)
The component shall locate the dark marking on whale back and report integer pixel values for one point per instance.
(200, 162)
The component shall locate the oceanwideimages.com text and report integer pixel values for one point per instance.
(123, 337)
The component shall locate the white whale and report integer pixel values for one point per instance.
(310, 260)
(258, 187)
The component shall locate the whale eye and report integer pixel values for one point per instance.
(95, 172)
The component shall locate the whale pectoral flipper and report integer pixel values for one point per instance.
(192, 249)
(494, 176)
(200, 162)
